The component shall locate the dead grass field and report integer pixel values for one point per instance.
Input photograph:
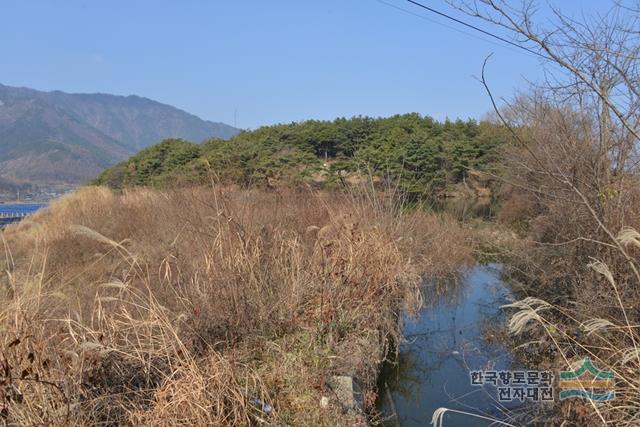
(183, 307)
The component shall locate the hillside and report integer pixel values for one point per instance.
(418, 154)
(50, 137)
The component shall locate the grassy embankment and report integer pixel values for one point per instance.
(180, 307)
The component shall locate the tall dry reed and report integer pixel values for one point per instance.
(207, 306)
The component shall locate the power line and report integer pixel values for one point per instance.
(450, 27)
(473, 27)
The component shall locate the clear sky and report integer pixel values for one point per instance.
(261, 61)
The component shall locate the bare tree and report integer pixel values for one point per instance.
(576, 156)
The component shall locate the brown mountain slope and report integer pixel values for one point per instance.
(55, 137)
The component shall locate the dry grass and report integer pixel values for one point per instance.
(581, 301)
(181, 307)
(565, 335)
(579, 280)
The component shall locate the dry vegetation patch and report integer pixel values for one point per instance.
(214, 306)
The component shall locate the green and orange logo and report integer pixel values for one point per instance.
(587, 382)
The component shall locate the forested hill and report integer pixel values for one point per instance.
(418, 154)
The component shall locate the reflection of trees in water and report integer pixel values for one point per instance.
(453, 290)
(448, 340)
(414, 366)
(444, 291)
(404, 375)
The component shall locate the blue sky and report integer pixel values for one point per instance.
(261, 62)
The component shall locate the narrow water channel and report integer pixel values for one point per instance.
(450, 337)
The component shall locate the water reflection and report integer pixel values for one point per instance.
(442, 345)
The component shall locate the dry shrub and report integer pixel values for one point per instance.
(207, 393)
(569, 206)
(35, 379)
(179, 307)
(558, 336)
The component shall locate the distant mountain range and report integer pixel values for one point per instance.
(57, 137)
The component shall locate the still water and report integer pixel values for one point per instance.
(13, 212)
(13, 208)
(446, 341)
